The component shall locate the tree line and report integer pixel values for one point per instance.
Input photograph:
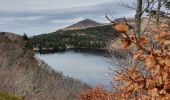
(90, 38)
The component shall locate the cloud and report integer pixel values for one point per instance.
(46, 4)
(34, 19)
(68, 20)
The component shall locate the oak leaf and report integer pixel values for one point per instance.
(157, 37)
(121, 27)
(157, 28)
(163, 25)
(162, 92)
(166, 42)
(154, 28)
(165, 76)
(125, 42)
(137, 54)
(153, 92)
(167, 61)
(150, 61)
(142, 40)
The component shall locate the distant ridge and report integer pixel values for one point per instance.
(83, 24)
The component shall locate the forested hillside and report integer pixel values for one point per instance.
(90, 38)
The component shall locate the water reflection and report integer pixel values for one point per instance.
(89, 68)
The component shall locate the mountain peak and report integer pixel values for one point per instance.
(90, 20)
(83, 24)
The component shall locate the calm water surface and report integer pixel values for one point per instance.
(89, 68)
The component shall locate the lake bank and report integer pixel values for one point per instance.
(104, 52)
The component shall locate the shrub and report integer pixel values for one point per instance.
(148, 76)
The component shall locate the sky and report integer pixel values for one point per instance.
(35, 17)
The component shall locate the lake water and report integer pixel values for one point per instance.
(89, 68)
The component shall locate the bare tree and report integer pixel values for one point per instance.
(158, 12)
(138, 16)
(141, 7)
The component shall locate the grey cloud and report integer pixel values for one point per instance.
(43, 20)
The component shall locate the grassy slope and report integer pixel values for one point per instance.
(6, 96)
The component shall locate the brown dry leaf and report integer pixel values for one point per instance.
(157, 28)
(166, 42)
(125, 42)
(130, 71)
(166, 68)
(163, 25)
(167, 61)
(154, 28)
(148, 49)
(164, 34)
(153, 92)
(150, 83)
(157, 37)
(162, 42)
(137, 54)
(136, 87)
(121, 27)
(165, 97)
(160, 79)
(160, 38)
(162, 92)
(156, 53)
(165, 76)
(156, 70)
(149, 61)
(142, 40)
(168, 32)
(161, 60)
(128, 84)
(120, 77)
(167, 84)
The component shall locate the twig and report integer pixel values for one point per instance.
(106, 15)
(149, 19)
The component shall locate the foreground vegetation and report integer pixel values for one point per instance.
(21, 73)
(6, 96)
(146, 75)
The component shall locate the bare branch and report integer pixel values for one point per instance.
(149, 19)
(148, 5)
(106, 15)
(125, 19)
(127, 6)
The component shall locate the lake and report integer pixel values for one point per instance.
(87, 67)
